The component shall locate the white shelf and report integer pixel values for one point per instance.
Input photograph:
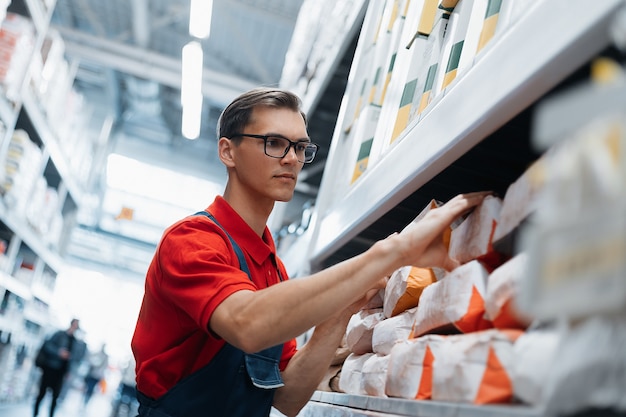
(51, 145)
(39, 14)
(16, 287)
(318, 84)
(30, 238)
(7, 114)
(345, 405)
(553, 39)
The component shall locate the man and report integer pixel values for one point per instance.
(212, 339)
(58, 351)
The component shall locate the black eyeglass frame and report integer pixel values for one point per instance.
(291, 144)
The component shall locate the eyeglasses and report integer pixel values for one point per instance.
(278, 147)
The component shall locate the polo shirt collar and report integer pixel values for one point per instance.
(258, 249)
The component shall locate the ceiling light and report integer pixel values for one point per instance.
(191, 89)
(200, 18)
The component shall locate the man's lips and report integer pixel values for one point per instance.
(286, 176)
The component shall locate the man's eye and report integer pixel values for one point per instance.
(275, 142)
(301, 146)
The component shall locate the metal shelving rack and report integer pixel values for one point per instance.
(549, 41)
(546, 45)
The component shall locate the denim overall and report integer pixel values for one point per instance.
(233, 384)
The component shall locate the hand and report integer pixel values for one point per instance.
(64, 353)
(358, 305)
(422, 241)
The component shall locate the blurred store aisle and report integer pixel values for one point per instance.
(72, 406)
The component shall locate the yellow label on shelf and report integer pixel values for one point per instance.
(359, 102)
(372, 95)
(394, 14)
(424, 101)
(387, 79)
(362, 159)
(427, 18)
(428, 87)
(490, 23)
(402, 118)
(406, 8)
(449, 77)
(448, 5)
(453, 64)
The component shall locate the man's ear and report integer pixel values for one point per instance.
(225, 151)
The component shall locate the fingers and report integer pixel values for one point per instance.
(450, 264)
(472, 198)
(464, 202)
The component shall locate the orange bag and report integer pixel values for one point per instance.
(475, 368)
(455, 302)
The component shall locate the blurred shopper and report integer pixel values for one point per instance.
(97, 363)
(57, 353)
(73, 376)
(125, 403)
(217, 326)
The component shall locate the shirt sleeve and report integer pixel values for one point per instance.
(289, 349)
(199, 269)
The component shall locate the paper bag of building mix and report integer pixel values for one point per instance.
(432, 205)
(374, 375)
(405, 287)
(351, 377)
(473, 238)
(410, 367)
(475, 368)
(391, 330)
(360, 329)
(534, 352)
(521, 199)
(502, 290)
(454, 303)
(589, 368)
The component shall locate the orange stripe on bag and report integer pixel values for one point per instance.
(474, 320)
(418, 279)
(495, 386)
(509, 318)
(492, 259)
(425, 390)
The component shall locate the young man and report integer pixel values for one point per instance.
(212, 339)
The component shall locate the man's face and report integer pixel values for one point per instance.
(74, 326)
(263, 176)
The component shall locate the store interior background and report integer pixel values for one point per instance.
(125, 57)
(141, 174)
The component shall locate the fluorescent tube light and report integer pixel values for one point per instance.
(191, 89)
(200, 18)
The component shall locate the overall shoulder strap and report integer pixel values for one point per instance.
(243, 265)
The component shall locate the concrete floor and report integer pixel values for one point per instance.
(71, 406)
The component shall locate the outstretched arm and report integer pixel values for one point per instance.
(253, 321)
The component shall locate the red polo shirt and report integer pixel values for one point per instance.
(193, 270)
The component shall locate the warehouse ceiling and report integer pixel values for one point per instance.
(127, 59)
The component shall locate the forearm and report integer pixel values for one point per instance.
(307, 368)
(282, 312)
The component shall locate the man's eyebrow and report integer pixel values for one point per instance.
(304, 139)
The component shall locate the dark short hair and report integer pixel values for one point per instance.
(236, 115)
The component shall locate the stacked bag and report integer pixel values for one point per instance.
(447, 336)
